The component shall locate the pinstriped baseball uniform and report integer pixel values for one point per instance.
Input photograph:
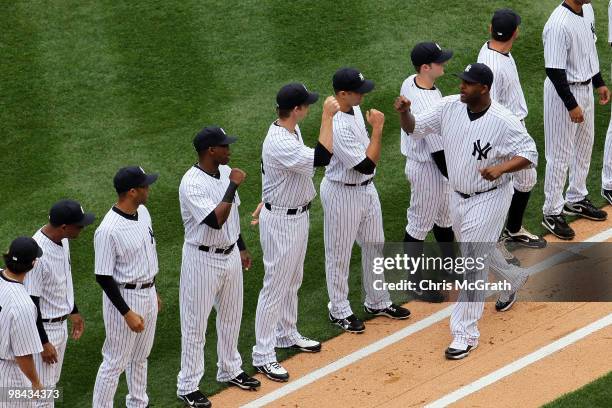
(125, 249)
(208, 279)
(606, 173)
(429, 192)
(507, 90)
(18, 336)
(287, 170)
(569, 44)
(491, 139)
(351, 213)
(51, 281)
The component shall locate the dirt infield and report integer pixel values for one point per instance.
(413, 372)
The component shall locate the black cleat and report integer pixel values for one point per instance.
(245, 382)
(393, 311)
(607, 194)
(557, 225)
(524, 238)
(585, 209)
(504, 306)
(350, 323)
(457, 354)
(195, 399)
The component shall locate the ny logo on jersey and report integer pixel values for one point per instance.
(152, 235)
(482, 151)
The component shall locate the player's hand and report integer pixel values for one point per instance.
(160, 304)
(576, 115)
(134, 321)
(375, 118)
(402, 104)
(49, 353)
(37, 386)
(246, 259)
(330, 106)
(255, 214)
(604, 95)
(78, 326)
(491, 173)
(237, 176)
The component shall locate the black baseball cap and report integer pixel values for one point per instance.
(350, 79)
(69, 212)
(212, 136)
(504, 23)
(24, 250)
(131, 177)
(477, 73)
(295, 94)
(428, 52)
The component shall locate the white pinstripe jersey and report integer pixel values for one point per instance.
(51, 278)
(469, 145)
(569, 43)
(506, 88)
(125, 248)
(287, 167)
(18, 333)
(350, 143)
(199, 194)
(422, 99)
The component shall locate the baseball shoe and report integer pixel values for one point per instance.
(585, 209)
(195, 399)
(504, 306)
(458, 354)
(557, 225)
(274, 371)
(525, 238)
(350, 323)
(306, 344)
(607, 194)
(392, 311)
(245, 382)
(511, 259)
(429, 296)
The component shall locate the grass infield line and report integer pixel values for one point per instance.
(418, 326)
(521, 363)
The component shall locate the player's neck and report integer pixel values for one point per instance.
(479, 106)
(208, 166)
(127, 206)
(344, 106)
(288, 123)
(424, 81)
(13, 276)
(574, 6)
(54, 234)
(503, 47)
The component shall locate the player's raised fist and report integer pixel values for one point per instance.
(375, 118)
(402, 104)
(237, 176)
(330, 106)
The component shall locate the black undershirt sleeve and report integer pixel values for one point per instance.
(75, 310)
(322, 156)
(240, 243)
(39, 324)
(440, 159)
(598, 81)
(211, 220)
(559, 80)
(366, 166)
(109, 286)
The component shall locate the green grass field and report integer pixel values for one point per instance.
(90, 86)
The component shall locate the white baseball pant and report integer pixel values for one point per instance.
(49, 374)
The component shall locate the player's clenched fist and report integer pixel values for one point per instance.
(134, 321)
(375, 118)
(237, 176)
(330, 106)
(576, 115)
(402, 104)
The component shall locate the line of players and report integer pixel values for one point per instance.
(214, 251)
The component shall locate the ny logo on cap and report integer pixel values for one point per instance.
(304, 86)
(141, 169)
(361, 77)
(82, 211)
(467, 69)
(222, 131)
(438, 46)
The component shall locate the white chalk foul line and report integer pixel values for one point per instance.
(401, 334)
(521, 363)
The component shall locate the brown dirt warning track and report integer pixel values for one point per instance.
(412, 371)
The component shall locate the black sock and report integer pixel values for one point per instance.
(517, 210)
(445, 238)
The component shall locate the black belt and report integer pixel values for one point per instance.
(463, 195)
(363, 183)
(291, 211)
(224, 251)
(55, 319)
(588, 81)
(138, 286)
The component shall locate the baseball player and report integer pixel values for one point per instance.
(125, 267)
(50, 286)
(211, 272)
(19, 341)
(606, 172)
(493, 143)
(350, 203)
(572, 70)
(287, 169)
(429, 192)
